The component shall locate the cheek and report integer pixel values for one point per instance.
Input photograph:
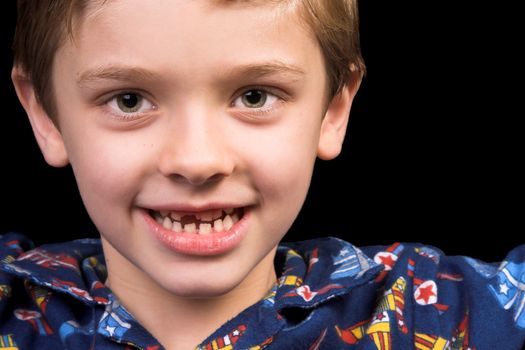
(108, 170)
(287, 156)
(281, 168)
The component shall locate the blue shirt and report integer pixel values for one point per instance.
(329, 295)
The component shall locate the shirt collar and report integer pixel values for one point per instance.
(76, 268)
(311, 272)
(317, 270)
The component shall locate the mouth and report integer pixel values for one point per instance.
(202, 223)
(202, 233)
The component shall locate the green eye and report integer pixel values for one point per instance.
(129, 102)
(129, 105)
(254, 98)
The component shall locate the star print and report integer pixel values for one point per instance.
(426, 293)
(387, 259)
(306, 293)
(111, 330)
(27, 314)
(380, 316)
(344, 252)
(503, 288)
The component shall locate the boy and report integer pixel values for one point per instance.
(192, 128)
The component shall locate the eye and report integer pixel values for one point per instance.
(255, 99)
(130, 103)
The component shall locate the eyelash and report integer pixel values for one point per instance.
(261, 111)
(119, 114)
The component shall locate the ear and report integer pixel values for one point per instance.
(333, 127)
(47, 135)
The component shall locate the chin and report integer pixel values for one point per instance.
(188, 287)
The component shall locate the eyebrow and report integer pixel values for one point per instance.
(119, 73)
(261, 70)
(132, 73)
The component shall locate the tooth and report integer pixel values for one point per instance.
(175, 216)
(218, 225)
(229, 210)
(190, 228)
(159, 219)
(177, 226)
(204, 229)
(227, 222)
(164, 213)
(235, 218)
(167, 223)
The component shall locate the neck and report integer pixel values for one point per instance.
(184, 322)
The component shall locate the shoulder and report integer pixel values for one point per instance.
(412, 257)
(460, 294)
(407, 294)
(45, 290)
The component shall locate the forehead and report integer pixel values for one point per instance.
(199, 31)
(210, 16)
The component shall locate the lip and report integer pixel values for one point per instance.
(215, 243)
(190, 209)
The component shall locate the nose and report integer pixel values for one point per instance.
(196, 152)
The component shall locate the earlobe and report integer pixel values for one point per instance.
(47, 135)
(335, 122)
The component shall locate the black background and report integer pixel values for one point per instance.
(432, 152)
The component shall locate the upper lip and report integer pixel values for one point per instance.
(193, 208)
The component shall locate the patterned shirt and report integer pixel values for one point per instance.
(329, 295)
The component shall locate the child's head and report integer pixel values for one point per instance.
(192, 127)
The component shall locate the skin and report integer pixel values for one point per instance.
(194, 143)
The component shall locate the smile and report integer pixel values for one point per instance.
(202, 233)
(203, 223)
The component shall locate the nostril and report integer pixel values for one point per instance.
(196, 165)
(197, 180)
(216, 178)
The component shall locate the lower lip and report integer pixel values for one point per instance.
(214, 243)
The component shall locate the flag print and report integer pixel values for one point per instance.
(349, 262)
(509, 290)
(114, 321)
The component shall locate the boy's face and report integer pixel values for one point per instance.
(192, 108)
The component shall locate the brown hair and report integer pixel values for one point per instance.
(42, 26)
